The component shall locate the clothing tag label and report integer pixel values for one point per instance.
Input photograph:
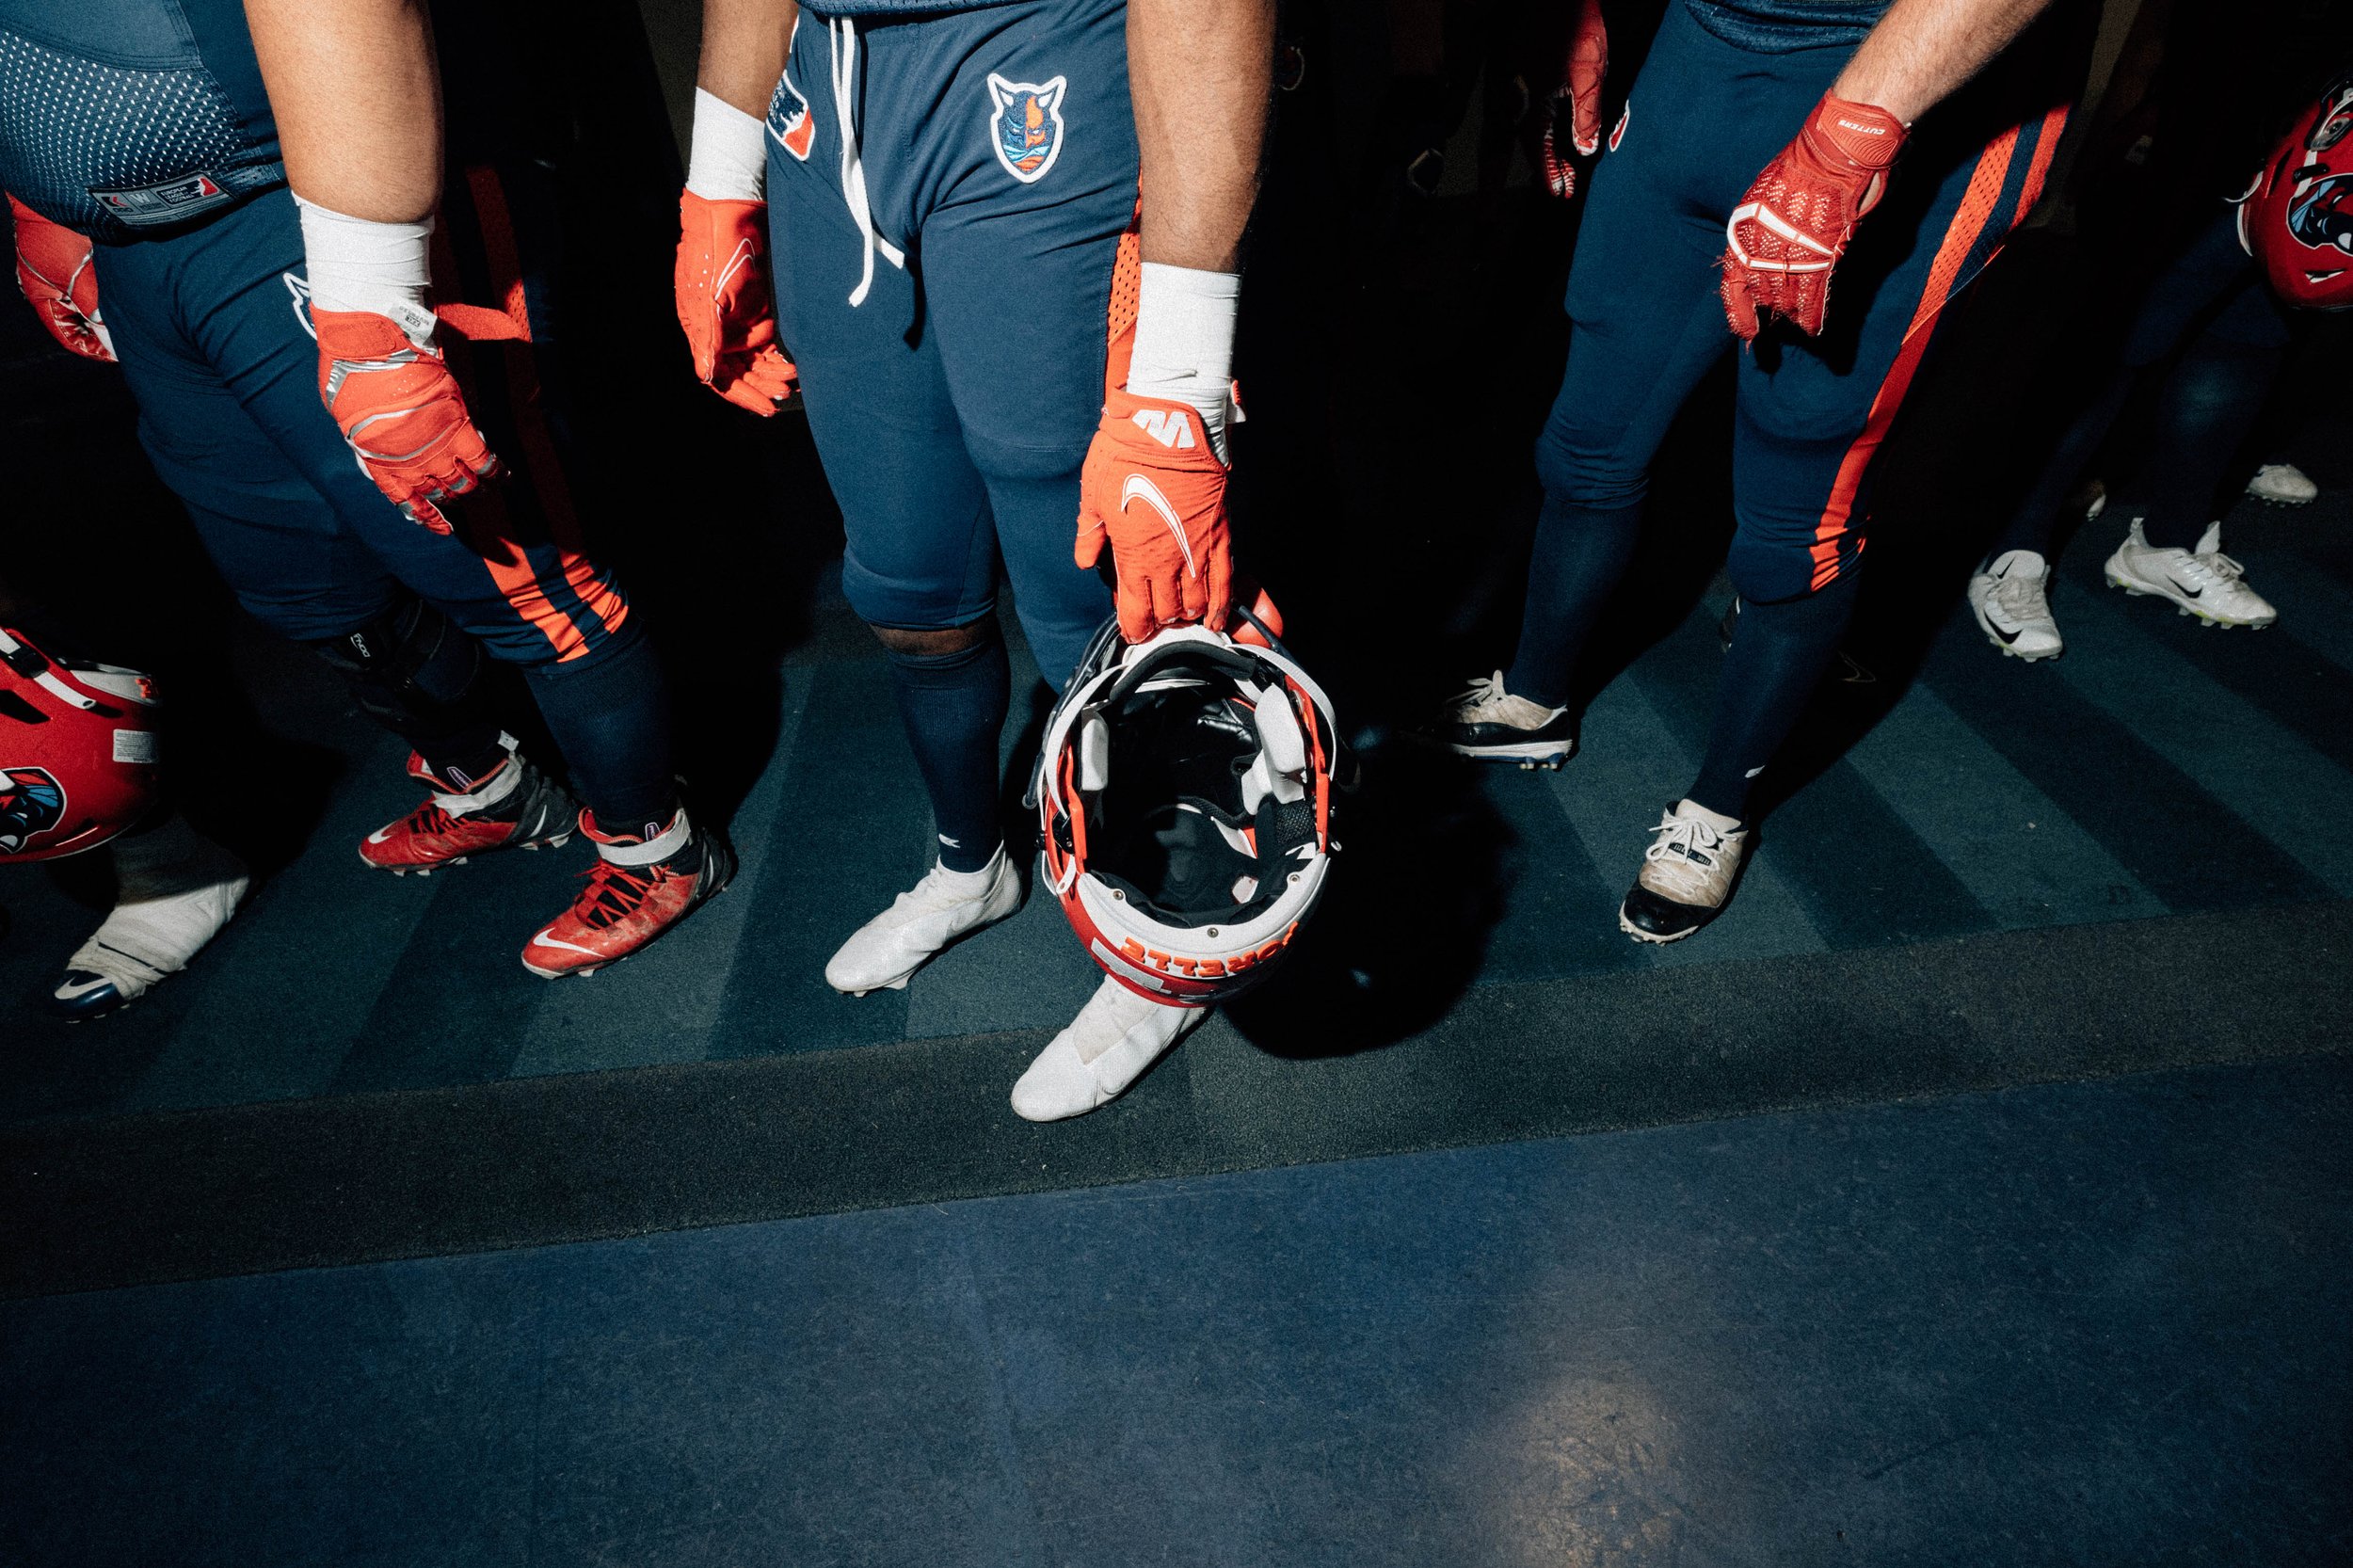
(173, 201)
(134, 745)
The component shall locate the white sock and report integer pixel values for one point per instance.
(969, 884)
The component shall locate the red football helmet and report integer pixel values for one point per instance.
(77, 752)
(2298, 221)
(1185, 790)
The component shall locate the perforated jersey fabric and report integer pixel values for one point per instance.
(1780, 26)
(123, 118)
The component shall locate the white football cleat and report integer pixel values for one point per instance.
(2203, 582)
(2283, 484)
(945, 907)
(2011, 601)
(1688, 873)
(1105, 1049)
(174, 892)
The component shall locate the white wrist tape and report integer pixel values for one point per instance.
(1185, 341)
(729, 159)
(357, 264)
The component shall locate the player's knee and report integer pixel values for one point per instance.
(1773, 571)
(935, 642)
(1586, 478)
(408, 662)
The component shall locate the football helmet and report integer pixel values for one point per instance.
(77, 752)
(1185, 796)
(2297, 220)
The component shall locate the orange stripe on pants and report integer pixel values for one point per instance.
(1978, 205)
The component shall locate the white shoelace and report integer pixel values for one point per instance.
(1678, 839)
(1484, 689)
(842, 34)
(2212, 569)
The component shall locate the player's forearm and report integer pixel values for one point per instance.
(1924, 50)
(1201, 72)
(356, 92)
(744, 50)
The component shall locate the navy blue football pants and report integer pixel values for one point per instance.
(2221, 338)
(211, 327)
(953, 406)
(1646, 322)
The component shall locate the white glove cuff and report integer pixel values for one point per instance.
(728, 160)
(357, 264)
(1185, 341)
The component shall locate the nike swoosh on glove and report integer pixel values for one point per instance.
(1154, 487)
(1793, 225)
(401, 411)
(1579, 94)
(52, 269)
(725, 305)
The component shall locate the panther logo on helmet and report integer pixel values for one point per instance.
(76, 736)
(31, 802)
(2297, 220)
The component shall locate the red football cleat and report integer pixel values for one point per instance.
(639, 887)
(513, 807)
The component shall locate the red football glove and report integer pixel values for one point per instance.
(52, 269)
(402, 412)
(1153, 486)
(1793, 225)
(725, 304)
(1580, 95)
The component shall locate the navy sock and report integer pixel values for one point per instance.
(2209, 404)
(612, 719)
(1778, 653)
(2039, 516)
(1581, 552)
(954, 706)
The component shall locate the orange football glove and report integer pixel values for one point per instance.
(1153, 486)
(402, 412)
(52, 269)
(725, 305)
(1793, 225)
(1579, 94)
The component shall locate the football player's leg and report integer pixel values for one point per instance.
(919, 560)
(1809, 422)
(1017, 275)
(1641, 337)
(297, 567)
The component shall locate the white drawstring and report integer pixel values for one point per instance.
(842, 33)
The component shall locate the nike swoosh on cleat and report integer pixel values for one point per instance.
(380, 836)
(544, 940)
(2187, 593)
(74, 991)
(1995, 627)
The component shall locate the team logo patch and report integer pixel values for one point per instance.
(1027, 126)
(788, 120)
(31, 802)
(1617, 132)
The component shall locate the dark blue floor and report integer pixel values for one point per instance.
(2089, 1324)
